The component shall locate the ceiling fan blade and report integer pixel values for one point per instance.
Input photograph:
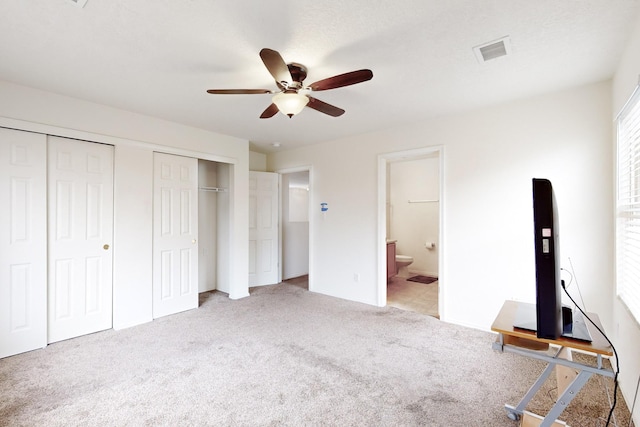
(238, 91)
(341, 80)
(323, 107)
(271, 111)
(276, 66)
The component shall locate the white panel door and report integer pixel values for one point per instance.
(80, 237)
(23, 241)
(263, 228)
(175, 232)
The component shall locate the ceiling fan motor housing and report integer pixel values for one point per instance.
(298, 74)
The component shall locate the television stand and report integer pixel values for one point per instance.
(525, 343)
(525, 318)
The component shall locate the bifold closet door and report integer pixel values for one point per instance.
(23, 241)
(175, 233)
(80, 237)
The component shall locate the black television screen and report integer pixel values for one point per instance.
(547, 256)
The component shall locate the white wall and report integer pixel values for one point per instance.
(135, 137)
(257, 161)
(626, 330)
(415, 224)
(490, 157)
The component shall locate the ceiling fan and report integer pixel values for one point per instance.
(291, 97)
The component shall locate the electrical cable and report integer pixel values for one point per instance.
(571, 278)
(574, 276)
(601, 381)
(635, 396)
(615, 378)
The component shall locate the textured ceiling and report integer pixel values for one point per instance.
(158, 57)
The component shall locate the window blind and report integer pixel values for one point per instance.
(628, 206)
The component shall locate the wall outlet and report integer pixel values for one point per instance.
(356, 277)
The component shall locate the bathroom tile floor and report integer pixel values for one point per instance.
(413, 296)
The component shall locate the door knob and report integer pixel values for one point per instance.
(106, 247)
(193, 241)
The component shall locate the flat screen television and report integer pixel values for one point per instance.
(547, 253)
(548, 318)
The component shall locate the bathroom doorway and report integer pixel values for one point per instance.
(295, 190)
(410, 223)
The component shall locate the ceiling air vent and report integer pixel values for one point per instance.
(492, 50)
(79, 3)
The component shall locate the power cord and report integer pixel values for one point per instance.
(584, 305)
(575, 277)
(634, 402)
(572, 277)
(615, 378)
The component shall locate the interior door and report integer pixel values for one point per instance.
(80, 237)
(263, 228)
(175, 232)
(23, 241)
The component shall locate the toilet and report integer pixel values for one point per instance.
(402, 262)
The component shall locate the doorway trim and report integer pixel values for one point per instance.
(383, 161)
(280, 172)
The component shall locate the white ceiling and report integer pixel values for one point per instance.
(158, 57)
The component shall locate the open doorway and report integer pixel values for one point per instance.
(294, 217)
(410, 223)
(213, 225)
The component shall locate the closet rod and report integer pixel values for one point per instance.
(215, 189)
(424, 201)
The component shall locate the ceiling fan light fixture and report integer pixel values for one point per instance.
(290, 103)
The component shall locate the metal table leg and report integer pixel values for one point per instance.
(585, 372)
(566, 398)
(515, 413)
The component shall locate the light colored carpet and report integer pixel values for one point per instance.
(282, 357)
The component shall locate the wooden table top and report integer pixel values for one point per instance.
(504, 325)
